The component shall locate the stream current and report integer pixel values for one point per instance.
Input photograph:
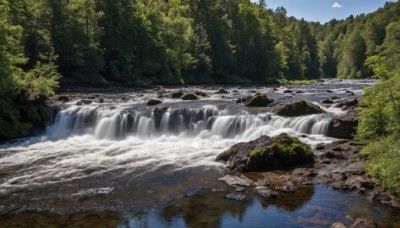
(123, 156)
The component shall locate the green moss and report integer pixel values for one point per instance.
(284, 151)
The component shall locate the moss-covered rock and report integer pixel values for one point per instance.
(297, 108)
(267, 153)
(283, 151)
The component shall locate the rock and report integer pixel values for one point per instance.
(200, 93)
(236, 156)
(299, 91)
(266, 193)
(327, 101)
(153, 102)
(63, 98)
(266, 153)
(235, 181)
(244, 99)
(99, 100)
(259, 101)
(363, 223)
(177, 95)
(288, 91)
(338, 225)
(288, 188)
(350, 92)
(189, 97)
(263, 182)
(329, 91)
(84, 102)
(339, 150)
(297, 108)
(348, 104)
(235, 196)
(344, 127)
(334, 98)
(240, 189)
(222, 91)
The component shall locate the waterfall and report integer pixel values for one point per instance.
(117, 123)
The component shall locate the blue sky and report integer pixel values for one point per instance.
(325, 10)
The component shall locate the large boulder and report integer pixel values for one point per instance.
(153, 102)
(267, 153)
(345, 126)
(297, 108)
(261, 100)
(189, 97)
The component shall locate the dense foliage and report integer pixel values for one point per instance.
(380, 112)
(144, 42)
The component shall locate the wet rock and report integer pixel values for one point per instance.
(236, 196)
(338, 225)
(259, 101)
(153, 102)
(363, 223)
(63, 98)
(288, 91)
(297, 108)
(266, 193)
(99, 100)
(84, 102)
(288, 188)
(240, 189)
(200, 93)
(244, 99)
(236, 156)
(329, 91)
(299, 91)
(266, 153)
(348, 104)
(222, 91)
(177, 95)
(235, 181)
(334, 98)
(349, 92)
(189, 97)
(339, 150)
(327, 101)
(344, 127)
(263, 182)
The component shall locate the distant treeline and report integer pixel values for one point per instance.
(144, 42)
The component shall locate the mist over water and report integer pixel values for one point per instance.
(126, 150)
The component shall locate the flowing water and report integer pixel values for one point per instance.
(127, 157)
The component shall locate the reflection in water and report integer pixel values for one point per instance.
(316, 206)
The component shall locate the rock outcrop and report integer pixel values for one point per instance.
(297, 108)
(267, 153)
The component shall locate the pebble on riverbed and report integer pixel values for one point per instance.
(235, 196)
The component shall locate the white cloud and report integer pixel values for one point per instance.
(336, 5)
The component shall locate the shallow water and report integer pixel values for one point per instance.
(124, 156)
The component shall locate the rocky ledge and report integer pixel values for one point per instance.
(339, 165)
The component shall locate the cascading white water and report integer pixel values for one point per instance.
(118, 123)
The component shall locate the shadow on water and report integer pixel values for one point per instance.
(313, 206)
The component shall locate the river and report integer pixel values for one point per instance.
(119, 162)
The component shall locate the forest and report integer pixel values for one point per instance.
(50, 44)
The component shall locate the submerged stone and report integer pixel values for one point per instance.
(236, 196)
